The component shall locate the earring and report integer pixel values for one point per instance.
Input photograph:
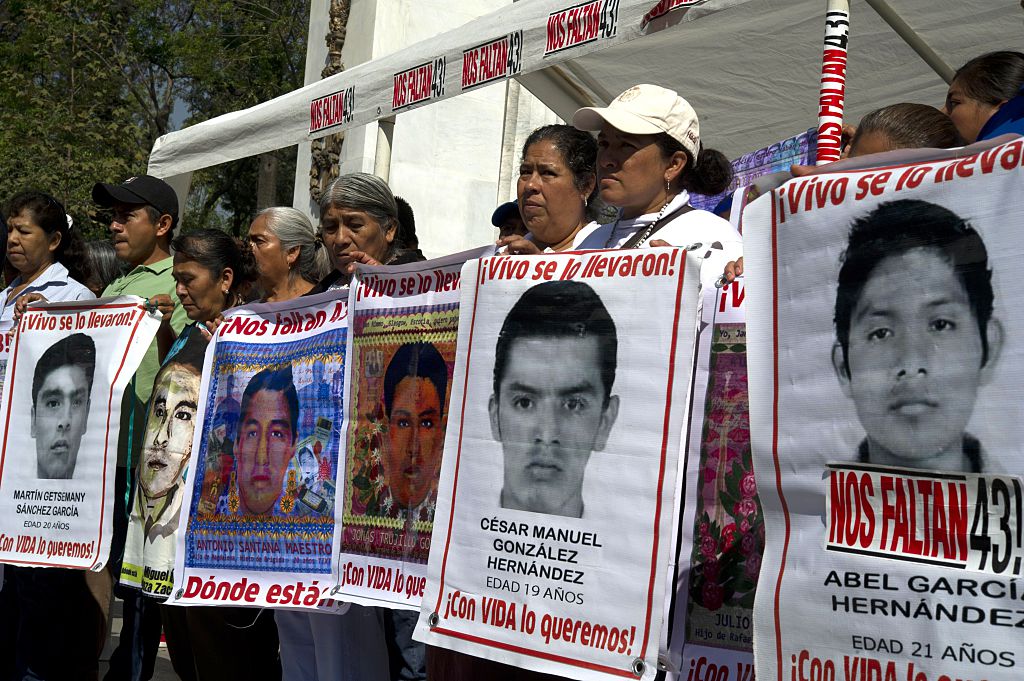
(668, 188)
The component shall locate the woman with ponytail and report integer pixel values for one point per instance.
(289, 255)
(649, 158)
(46, 250)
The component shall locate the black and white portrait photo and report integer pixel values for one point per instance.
(60, 404)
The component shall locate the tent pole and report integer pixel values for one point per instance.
(910, 37)
(382, 158)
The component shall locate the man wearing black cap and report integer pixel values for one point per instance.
(507, 219)
(145, 215)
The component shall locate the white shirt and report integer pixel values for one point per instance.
(54, 284)
(719, 241)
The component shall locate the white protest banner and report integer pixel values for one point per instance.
(886, 351)
(404, 322)
(722, 526)
(69, 366)
(554, 519)
(259, 514)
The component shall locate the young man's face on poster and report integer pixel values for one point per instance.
(266, 444)
(550, 413)
(169, 429)
(915, 356)
(414, 441)
(59, 418)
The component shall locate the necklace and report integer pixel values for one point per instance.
(640, 238)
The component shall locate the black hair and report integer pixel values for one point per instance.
(275, 379)
(993, 77)
(215, 251)
(155, 214)
(76, 350)
(406, 235)
(711, 174)
(560, 309)
(416, 360)
(895, 227)
(579, 152)
(910, 126)
(49, 215)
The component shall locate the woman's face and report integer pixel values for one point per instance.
(272, 261)
(969, 115)
(29, 248)
(632, 171)
(551, 205)
(346, 230)
(200, 291)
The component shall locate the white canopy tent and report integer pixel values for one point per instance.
(749, 67)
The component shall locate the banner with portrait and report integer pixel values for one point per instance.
(721, 529)
(404, 323)
(162, 466)
(553, 536)
(69, 366)
(886, 362)
(259, 514)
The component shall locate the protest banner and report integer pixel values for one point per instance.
(832, 87)
(69, 366)
(404, 322)
(259, 514)
(162, 468)
(721, 529)
(885, 350)
(554, 518)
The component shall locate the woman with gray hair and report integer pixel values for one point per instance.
(289, 255)
(358, 223)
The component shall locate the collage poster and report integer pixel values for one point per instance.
(259, 514)
(553, 528)
(722, 526)
(69, 366)
(886, 357)
(404, 323)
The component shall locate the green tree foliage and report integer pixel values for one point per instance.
(86, 87)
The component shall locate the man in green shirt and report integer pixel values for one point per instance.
(145, 216)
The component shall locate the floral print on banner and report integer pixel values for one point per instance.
(729, 526)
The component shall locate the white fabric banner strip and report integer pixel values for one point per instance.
(259, 517)
(69, 366)
(401, 355)
(554, 520)
(886, 362)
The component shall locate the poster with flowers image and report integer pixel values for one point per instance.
(722, 525)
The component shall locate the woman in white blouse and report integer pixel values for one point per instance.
(46, 251)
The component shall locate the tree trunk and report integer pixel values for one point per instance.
(266, 181)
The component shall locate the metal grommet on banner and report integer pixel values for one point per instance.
(639, 667)
(179, 594)
(335, 590)
(433, 619)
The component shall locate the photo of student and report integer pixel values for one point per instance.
(265, 444)
(552, 403)
(916, 337)
(60, 404)
(415, 385)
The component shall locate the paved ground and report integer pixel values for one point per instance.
(163, 670)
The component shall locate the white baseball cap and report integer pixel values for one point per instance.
(646, 110)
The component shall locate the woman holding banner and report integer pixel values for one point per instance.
(47, 252)
(213, 272)
(315, 646)
(557, 179)
(649, 157)
(289, 256)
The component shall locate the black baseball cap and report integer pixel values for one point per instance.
(141, 189)
(504, 212)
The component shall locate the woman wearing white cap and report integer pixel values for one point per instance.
(649, 158)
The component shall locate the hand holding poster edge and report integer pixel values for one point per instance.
(429, 629)
(78, 317)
